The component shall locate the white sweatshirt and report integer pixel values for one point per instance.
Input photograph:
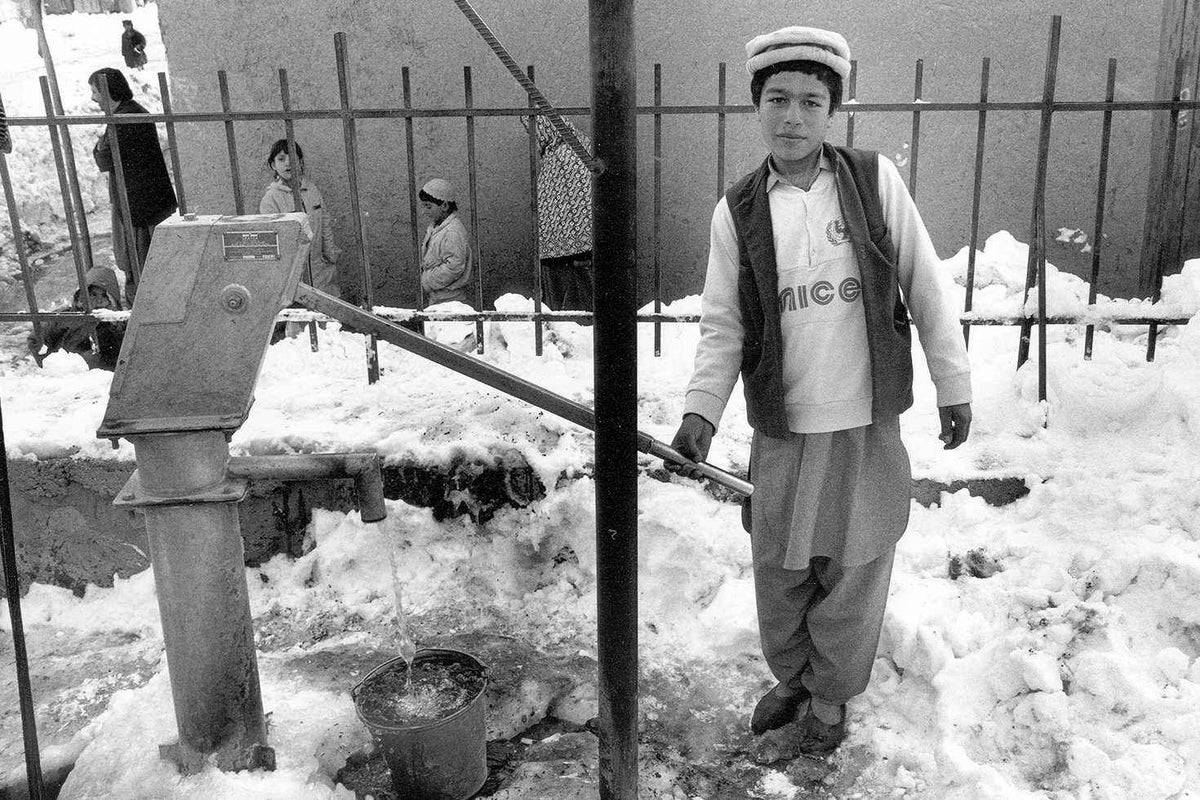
(826, 363)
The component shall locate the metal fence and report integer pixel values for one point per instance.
(58, 128)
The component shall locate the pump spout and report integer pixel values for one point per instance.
(485, 373)
(362, 467)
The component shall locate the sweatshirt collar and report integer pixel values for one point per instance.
(773, 176)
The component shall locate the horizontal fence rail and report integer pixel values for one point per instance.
(58, 127)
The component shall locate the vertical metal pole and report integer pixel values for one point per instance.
(172, 142)
(289, 130)
(720, 129)
(657, 207)
(850, 94)
(294, 185)
(118, 176)
(75, 207)
(1166, 250)
(19, 243)
(1101, 189)
(12, 588)
(235, 173)
(916, 130)
(535, 219)
(351, 136)
(473, 194)
(412, 183)
(980, 137)
(1035, 271)
(614, 123)
(64, 183)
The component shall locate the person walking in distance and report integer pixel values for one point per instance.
(133, 46)
(817, 260)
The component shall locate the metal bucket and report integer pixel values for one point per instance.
(441, 760)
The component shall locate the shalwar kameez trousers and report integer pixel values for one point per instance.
(828, 510)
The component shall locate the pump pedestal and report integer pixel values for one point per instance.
(195, 541)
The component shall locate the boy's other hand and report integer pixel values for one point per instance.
(956, 424)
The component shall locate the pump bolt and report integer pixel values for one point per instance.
(235, 298)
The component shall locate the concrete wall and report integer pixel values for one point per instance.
(251, 39)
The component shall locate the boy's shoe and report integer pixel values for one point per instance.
(773, 711)
(819, 738)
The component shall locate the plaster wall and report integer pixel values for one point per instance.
(252, 39)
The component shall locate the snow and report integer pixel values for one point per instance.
(1073, 671)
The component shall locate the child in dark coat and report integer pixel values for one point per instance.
(97, 342)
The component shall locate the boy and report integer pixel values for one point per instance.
(816, 259)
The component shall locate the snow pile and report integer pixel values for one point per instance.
(1068, 667)
(999, 288)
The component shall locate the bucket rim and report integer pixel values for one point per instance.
(424, 652)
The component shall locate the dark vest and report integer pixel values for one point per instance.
(889, 338)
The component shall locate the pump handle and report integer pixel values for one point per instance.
(367, 322)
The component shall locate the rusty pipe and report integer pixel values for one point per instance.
(363, 468)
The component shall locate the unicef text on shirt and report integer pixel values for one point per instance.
(821, 292)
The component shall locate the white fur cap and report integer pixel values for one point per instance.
(798, 43)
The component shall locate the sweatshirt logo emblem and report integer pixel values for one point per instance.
(821, 293)
(835, 232)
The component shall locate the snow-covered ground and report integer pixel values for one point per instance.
(1071, 672)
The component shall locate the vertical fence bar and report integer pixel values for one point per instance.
(235, 172)
(12, 588)
(850, 95)
(289, 130)
(721, 130)
(1101, 189)
(172, 142)
(410, 155)
(980, 137)
(64, 188)
(535, 219)
(118, 175)
(75, 206)
(1162, 252)
(614, 122)
(350, 133)
(473, 194)
(1036, 268)
(916, 129)
(657, 207)
(19, 244)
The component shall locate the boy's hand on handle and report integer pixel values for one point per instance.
(956, 424)
(693, 439)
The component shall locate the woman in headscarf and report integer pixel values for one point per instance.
(151, 198)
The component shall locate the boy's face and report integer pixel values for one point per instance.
(96, 296)
(794, 116)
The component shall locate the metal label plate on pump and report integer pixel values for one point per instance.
(250, 245)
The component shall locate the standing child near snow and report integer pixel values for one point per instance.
(446, 264)
(815, 261)
(323, 254)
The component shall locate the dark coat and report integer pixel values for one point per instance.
(99, 343)
(133, 47)
(147, 183)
